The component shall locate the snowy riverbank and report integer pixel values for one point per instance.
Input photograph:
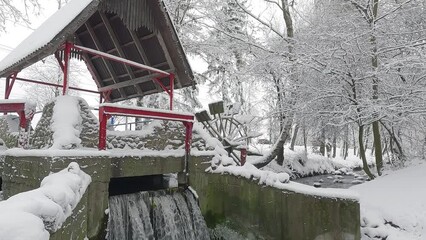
(393, 206)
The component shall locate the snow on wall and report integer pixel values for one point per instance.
(33, 214)
(222, 164)
(280, 181)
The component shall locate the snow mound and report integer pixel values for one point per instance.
(66, 123)
(394, 206)
(223, 164)
(30, 215)
(299, 163)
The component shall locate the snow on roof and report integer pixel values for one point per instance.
(45, 33)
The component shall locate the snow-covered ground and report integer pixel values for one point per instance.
(299, 163)
(393, 207)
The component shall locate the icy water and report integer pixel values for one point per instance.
(156, 215)
(339, 180)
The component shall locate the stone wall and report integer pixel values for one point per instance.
(269, 213)
(24, 173)
(43, 134)
(241, 204)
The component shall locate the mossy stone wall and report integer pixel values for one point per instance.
(270, 213)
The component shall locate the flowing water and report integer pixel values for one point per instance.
(345, 180)
(156, 215)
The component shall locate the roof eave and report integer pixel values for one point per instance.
(51, 47)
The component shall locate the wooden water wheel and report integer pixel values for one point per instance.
(222, 123)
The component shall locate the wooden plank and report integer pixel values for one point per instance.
(90, 66)
(130, 82)
(168, 58)
(107, 64)
(142, 53)
(118, 47)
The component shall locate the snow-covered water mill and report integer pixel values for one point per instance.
(156, 215)
(113, 143)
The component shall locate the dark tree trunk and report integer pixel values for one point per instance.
(294, 137)
(362, 152)
(334, 145)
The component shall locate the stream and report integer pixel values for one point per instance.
(341, 178)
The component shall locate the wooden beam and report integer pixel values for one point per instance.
(118, 47)
(90, 66)
(135, 95)
(142, 52)
(131, 82)
(143, 70)
(167, 55)
(107, 64)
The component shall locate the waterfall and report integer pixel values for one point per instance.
(156, 215)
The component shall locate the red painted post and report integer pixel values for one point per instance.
(243, 156)
(172, 83)
(9, 89)
(103, 118)
(6, 87)
(67, 54)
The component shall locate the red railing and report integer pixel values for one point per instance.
(7, 106)
(107, 110)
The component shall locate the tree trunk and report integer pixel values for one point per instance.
(294, 136)
(265, 160)
(378, 147)
(305, 139)
(362, 152)
(354, 141)
(375, 64)
(322, 143)
(334, 145)
(392, 139)
(346, 143)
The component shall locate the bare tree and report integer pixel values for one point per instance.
(17, 11)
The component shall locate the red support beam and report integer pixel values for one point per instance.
(103, 118)
(24, 119)
(67, 56)
(172, 86)
(57, 85)
(9, 85)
